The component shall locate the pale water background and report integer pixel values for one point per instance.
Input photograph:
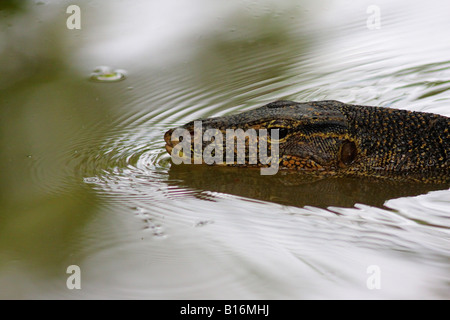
(85, 179)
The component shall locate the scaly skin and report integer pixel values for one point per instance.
(331, 138)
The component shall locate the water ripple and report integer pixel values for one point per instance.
(230, 229)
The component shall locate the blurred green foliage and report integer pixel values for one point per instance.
(49, 116)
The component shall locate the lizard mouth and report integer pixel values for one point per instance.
(169, 143)
(172, 141)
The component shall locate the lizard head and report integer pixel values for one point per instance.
(309, 136)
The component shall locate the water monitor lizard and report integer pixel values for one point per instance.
(331, 138)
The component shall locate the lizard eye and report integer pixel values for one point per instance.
(348, 152)
(282, 132)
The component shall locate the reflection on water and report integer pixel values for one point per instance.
(86, 179)
(293, 189)
(48, 115)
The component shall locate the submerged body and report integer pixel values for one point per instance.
(331, 138)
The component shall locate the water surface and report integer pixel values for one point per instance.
(86, 180)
